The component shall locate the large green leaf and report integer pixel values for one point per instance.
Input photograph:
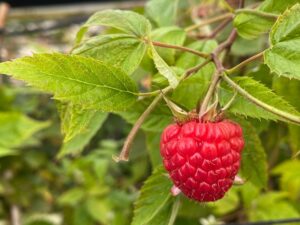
(170, 35)
(153, 147)
(250, 24)
(121, 50)
(83, 81)
(254, 162)
(126, 21)
(283, 57)
(154, 197)
(159, 118)
(79, 126)
(275, 6)
(244, 107)
(15, 129)
(289, 172)
(163, 68)
(162, 12)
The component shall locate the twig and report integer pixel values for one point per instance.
(275, 111)
(216, 31)
(195, 69)
(15, 215)
(209, 21)
(128, 142)
(244, 63)
(182, 48)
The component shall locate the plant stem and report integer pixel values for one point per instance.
(174, 212)
(258, 13)
(152, 93)
(128, 142)
(209, 21)
(275, 111)
(244, 63)
(182, 48)
(195, 69)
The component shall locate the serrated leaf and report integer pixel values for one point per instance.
(87, 122)
(289, 172)
(121, 50)
(163, 68)
(162, 12)
(170, 35)
(254, 160)
(244, 107)
(16, 128)
(159, 118)
(154, 196)
(84, 81)
(275, 6)
(251, 25)
(283, 56)
(127, 21)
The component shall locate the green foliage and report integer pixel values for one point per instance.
(121, 50)
(163, 13)
(154, 197)
(275, 6)
(283, 56)
(80, 80)
(250, 24)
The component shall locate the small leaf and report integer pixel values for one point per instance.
(155, 195)
(283, 56)
(162, 12)
(127, 21)
(254, 165)
(275, 6)
(121, 50)
(80, 127)
(251, 25)
(16, 128)
(243, 107)
(163, 68)
(83, 81)
(169, 35)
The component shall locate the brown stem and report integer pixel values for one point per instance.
(244, 63)
(128, 142)
(209, 21)
(216, 31)
(185, 49)
(195, 69)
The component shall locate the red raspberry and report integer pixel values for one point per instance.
(202, 158)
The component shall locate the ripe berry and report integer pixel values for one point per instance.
(202, 158)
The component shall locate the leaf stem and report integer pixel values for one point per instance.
(174, 212)
(128, 142)
(209, 21)
(275, 111)
(258, 13)
(182, 48)
(244, 63)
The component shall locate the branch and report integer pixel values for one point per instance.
(275, 111)
(209, 21)
(178, 47)
(244, 63)
(216, 31)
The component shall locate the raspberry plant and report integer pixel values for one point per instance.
(178, 61)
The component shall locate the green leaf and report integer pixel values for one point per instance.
(159, 118)
(127, 21)
(83, 81)
(283, 57)
(80, 127)
(72, 197)
(275, 6)
(153, 146)
(243, 107)
(16, 128)
(289, 172)
(250, 24)
(272, 206)
(155, 195)
(100, 210)
(162, 12)
(169, 35)
(7, 152)
(254, 161)
(121, 50)
(163, 68)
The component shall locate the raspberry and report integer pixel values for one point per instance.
(202, 158)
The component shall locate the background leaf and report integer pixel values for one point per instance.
(275, 6)
(121, 50)
(83, 81)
